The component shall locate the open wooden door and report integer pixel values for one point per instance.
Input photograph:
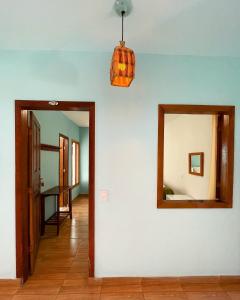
(34, 190)
(63, 167)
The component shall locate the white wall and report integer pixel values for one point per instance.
(184, 134)
(132, 236)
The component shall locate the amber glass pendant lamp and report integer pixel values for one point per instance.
(122, 70)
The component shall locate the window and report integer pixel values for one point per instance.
(75, 163)
(195, 140)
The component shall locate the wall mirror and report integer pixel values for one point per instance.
(195, 156)
(196, 163)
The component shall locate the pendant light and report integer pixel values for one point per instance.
(122, 70)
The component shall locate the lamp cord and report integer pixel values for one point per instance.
(123, 13)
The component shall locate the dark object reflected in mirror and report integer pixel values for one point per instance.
(196, 163)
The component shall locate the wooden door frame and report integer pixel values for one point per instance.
(59, 169)
(21, 177)
(79, 158)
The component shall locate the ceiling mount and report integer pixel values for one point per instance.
(122, 71)
(121, 6)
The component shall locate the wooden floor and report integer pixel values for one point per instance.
(65, 256)
(71, 287)
(62, 274)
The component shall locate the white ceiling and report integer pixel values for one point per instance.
(184, 27)
(80, 118)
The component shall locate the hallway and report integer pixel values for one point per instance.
(63, 258)
(66, 255)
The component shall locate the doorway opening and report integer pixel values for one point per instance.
(63, 167)
(31, 220)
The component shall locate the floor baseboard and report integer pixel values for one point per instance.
(11, 282)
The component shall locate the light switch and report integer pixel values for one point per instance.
(104, 195)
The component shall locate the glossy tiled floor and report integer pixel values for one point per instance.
(73, 286)
(62, 268)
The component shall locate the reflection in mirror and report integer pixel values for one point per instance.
(190, 148)
(195, 139)
(196, 163)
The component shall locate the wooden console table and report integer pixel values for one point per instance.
(59, 216)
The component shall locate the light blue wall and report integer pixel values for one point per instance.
(84, 159)
(169, 242)
(53, 123)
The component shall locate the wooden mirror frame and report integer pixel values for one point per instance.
(201, 154)
(225, 159)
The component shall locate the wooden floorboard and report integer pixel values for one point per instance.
(61, 273)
